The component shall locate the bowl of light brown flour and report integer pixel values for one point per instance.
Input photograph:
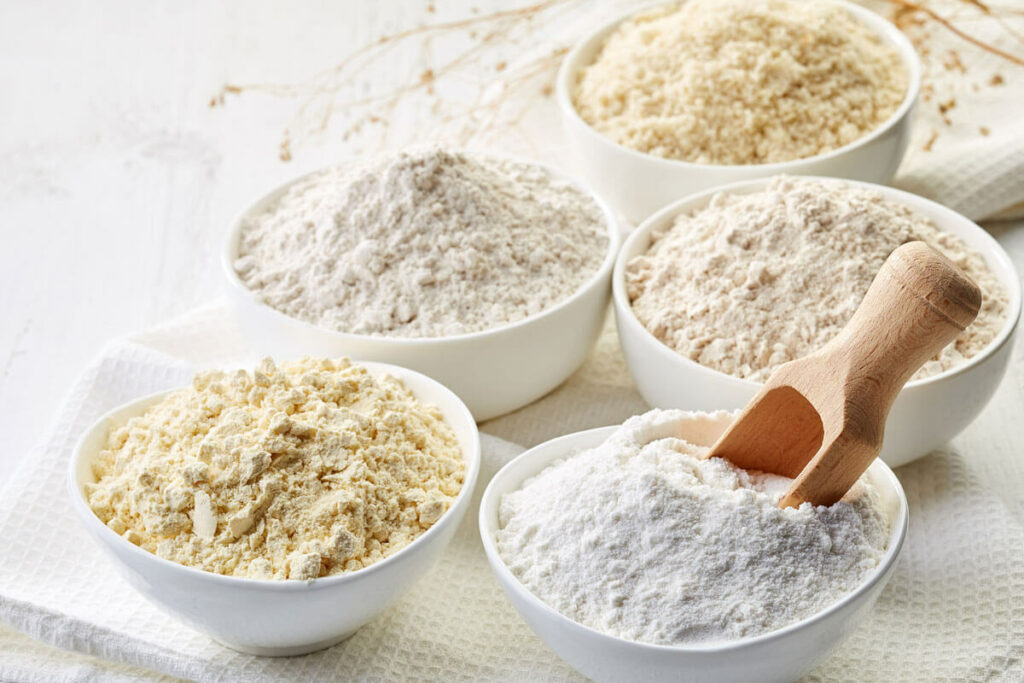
(687, 96)
(635, 559)
(719, 289)
(279, 509)
(489, 274)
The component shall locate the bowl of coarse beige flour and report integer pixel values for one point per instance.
(491, 275)
(685, 96)
(719, 289)
(633, 559)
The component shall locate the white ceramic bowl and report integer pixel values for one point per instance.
(636, 184)
(278, 618)
(781, 655)
(927, 413)
(494, 371)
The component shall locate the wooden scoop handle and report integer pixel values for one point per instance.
(919, 302)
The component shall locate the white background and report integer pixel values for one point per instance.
(118, 180)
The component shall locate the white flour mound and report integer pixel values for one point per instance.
(423, 244)
(755, 280)
(641, 539)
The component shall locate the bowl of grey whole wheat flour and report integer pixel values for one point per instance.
(281, 508)
(717, 290)
(675, 567)
(489, 274)
(686, 96)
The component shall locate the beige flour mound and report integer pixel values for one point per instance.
(741, 81)
(428, 243)
(306, 469)
(755, 280)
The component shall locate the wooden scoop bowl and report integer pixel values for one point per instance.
(820, 419)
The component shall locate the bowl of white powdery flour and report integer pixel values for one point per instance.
(689, 95)
(636, 560)
(491, 275)
(717, 290)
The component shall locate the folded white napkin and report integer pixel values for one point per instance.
(952, 610)
(970, 158)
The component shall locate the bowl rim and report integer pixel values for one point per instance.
(229, 253)
(490, 500)
(879, 25)
(471, 455)
(992, 253)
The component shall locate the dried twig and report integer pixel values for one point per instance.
(948, 25)
(504, 93)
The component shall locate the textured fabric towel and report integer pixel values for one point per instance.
(953, 609)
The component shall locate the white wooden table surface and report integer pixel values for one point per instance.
(118, 180)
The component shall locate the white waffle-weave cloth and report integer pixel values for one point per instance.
(954, 609)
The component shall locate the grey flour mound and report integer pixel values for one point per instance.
(756, 280)
(430, 243)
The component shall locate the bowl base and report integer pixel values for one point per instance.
(288, 651)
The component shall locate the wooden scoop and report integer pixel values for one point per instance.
(820, 419)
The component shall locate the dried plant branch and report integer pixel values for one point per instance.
(323, 95)
(503, 94)
(948, 25)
